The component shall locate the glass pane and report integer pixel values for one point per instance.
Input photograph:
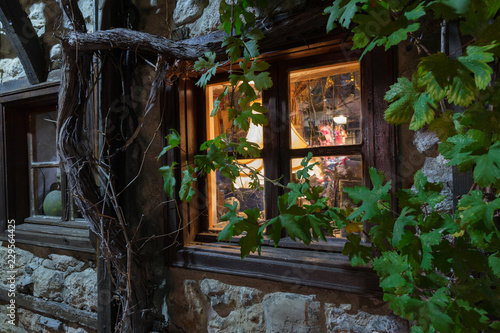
(334, 173)
(43, 128)
(220, 123)
(325, 106)
(247, 198)
(47, 192)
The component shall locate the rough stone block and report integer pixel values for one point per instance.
(425, 141)
(37, 17)
(11, 69)
(291, 313)
(68, 329)
(436, 170)
(208, 22)
(48, 283)
(80, 290)
(233, 308)
(338, 320)
(64, 263)
(188, 11)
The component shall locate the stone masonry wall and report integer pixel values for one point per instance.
(209, 305)
(56, 293)
(49, 23)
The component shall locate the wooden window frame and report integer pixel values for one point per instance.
(14, 195)
(294, 262)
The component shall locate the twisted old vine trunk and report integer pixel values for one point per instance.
(90, 178)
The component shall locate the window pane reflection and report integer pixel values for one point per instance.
(43, 129)
(244, 196)
(333, 173)
(325, 106)
(220, 123)
(47, 194)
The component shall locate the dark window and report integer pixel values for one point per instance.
(35, 192)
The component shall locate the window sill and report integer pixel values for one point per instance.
(53, 233)
(328, 270)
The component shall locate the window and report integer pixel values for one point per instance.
(322, 102)
(34, 188)
(48, 196)
(322, 112)
(220, 188)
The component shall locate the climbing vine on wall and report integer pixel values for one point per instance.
(439, 270)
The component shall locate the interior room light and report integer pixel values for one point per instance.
(341, 120)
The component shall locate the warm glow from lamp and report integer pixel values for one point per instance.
(341, 120)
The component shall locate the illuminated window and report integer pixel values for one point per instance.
(219, 187)
(325, 106)
(325, 113)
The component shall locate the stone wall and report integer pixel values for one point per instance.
(206, 304)
(53, 292)
(49, 23)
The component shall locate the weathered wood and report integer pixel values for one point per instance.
(54, 236)
(314, 269)
(24, 40)
(53, 309)
(126, 39)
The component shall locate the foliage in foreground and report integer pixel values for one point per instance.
(439, 270)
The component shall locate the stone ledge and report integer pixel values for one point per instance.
(53, 309)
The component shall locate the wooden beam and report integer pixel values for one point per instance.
(24, 40)
(52, 309)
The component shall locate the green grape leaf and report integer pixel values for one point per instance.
(424, 114)
(382, 231)
(429, 239)
(359, 255)
(463, 89)
(253, 237)
(233, 47)
(233, 228)
(415, 13)
(434, 311)
(261, 80)
(402, 96)
(187, 192)
(450, 8)
(494, 262)
(476, 61)
(444, 126)
(168, 179)
(297, 190)
(370, 198)
(400, 35)
(487, 170)
(288, 219)
(208, 65)
(473, 209)
(478, 17)
(218, 100)
(173, 141)
(402, 221)
(394, 272)
(433, 88)
(248, 148)
(342, 11)
(440, 67)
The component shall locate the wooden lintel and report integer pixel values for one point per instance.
(24, 40)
